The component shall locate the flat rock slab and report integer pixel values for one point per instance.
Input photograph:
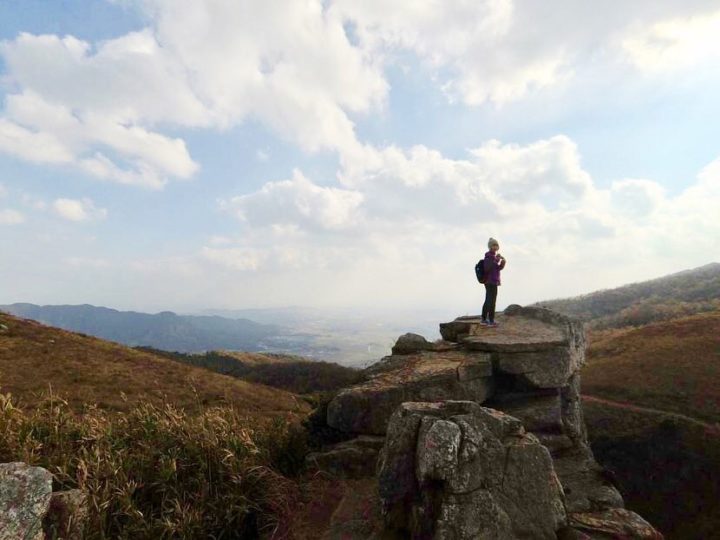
(539, 347)
(614, 523)
(423, 376)
(520, 329)
(513, 334)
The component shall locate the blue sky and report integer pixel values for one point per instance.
(184, 155)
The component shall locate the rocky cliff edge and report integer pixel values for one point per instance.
(477, 435)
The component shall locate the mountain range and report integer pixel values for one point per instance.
(676, 295)
(165, 330)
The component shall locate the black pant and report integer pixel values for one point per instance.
(488, 311)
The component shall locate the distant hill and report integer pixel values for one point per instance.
(293, 373)
(165, 330)
(667, 465)
(671, 365)
(84, 369)
(665, 298)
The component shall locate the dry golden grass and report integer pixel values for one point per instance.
(85, 370)
(672, 366)
(161, 472)
(251, 358)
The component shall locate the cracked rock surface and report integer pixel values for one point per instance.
(457, 470)
(453, 465)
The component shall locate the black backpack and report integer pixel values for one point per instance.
(480, 270)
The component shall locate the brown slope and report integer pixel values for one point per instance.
(84, 369)
(672, 366)
(254, 359)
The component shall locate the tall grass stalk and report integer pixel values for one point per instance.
(158, 472)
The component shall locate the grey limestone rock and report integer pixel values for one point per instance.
(25, 493)
(451, 468)
(457, 470)
(424, 376)
(411, 343)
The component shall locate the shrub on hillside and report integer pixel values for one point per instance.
(670, 297)
(158, 472)
(666, 468)
(300, 377)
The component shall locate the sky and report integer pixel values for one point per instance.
(193, 154)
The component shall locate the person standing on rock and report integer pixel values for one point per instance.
(493, 263)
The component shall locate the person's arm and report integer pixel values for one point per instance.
(502, 263)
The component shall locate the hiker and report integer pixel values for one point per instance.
(493, 263)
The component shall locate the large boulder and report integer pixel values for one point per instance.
(457, 470)
(423, 376)
(411, 343)
(25, 494)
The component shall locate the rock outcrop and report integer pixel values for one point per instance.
(30, 510)
(25, 493)
(420, 376)
(458, 470)
(441, 460)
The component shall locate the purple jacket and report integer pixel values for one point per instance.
(493, 265)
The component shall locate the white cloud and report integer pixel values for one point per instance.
(78, 209)
(303, 69)
(397, 225)
(8, 216)
(500, 51)
(3, 191)
(418, 255)
(636, 197)
(31, 145)
(102, 106)
(298, 200)
(419, 219)
(87, 262)
(675, 43)
(235, 258)
(34, 128)
(482, 45)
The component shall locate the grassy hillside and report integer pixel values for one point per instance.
(85, 370)
(292, 373)
(672, 365)
(166, 330)
(676, 295)
(666, 468)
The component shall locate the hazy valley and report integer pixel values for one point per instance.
(651, 401)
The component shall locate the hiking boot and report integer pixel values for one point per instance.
(492, 324)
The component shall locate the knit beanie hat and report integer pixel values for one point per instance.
(492, 242)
